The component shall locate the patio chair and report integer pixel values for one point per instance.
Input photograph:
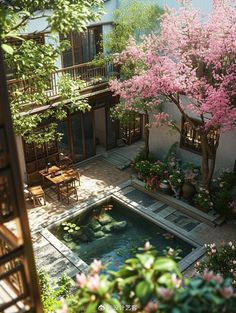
(37, 193)
(75, 174)
(65, 162)
(68, 189)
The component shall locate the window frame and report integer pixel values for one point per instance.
(76, 40)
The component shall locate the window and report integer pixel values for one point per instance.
(84, 46)
(190, 137)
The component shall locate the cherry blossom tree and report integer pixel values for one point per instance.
(191, 65)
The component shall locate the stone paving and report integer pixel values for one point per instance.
(97, 177)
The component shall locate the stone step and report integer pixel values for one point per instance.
(120, 161)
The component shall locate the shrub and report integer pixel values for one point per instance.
(148, 283)
(220, 260)
(50, 296)
(203, 200)
(143, 168)
(222, 195)
(158, 169)
(176, 178)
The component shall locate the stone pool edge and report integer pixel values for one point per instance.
(117, 194)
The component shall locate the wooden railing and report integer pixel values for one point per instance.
(87, 72)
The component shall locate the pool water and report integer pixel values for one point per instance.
(115, 234)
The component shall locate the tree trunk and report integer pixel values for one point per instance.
(208, 158)
(146, 136)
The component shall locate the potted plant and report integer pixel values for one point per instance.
(202, 200)
(158, 169)
(143, 169)
(176, 180)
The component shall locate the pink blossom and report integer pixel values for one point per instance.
(226, 292)
(151, 307)
(93, 283)
(81, 280)
(176, 281)
(147, 246)
(188, 58)
(208, 275)
(165, 293)
(218, 278)
(96, 266)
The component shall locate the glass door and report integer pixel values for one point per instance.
(63, 144)
(78, 148)
(89, 134)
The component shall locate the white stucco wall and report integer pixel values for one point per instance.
(163, 137)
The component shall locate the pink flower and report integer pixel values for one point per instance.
(96, 266)
(93, 283)
(81, 280)
(208, 275)
(147, 246)
(218, 278)
(176, 281)
(151, 307)
(165, 293)
(226, 292)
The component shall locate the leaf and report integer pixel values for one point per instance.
(143, 291)
(165, 264)
(8, 49)
(92, 307)
(146, 260)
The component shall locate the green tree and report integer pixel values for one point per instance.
(133, 18)
(34, 63)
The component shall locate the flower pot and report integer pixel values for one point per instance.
(188, 191)
(140, 177)
(165, 187)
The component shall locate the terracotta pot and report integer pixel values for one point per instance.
(188, 191)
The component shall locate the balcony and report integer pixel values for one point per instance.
(93, 76)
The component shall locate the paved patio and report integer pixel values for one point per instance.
(97, 176)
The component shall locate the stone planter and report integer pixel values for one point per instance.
(188, 191)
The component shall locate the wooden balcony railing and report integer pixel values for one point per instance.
(87, 72)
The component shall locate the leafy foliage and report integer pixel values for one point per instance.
(51, 297)
(220, 260)
(133, 18)
(33, 63)
(148, 283)
(222, 192)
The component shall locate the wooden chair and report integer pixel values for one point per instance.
(36, 193)
(65, 162)
(75, 173)
(68, 189)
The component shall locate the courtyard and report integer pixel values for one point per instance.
(118, 156)
(100, 178)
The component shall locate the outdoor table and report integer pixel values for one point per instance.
(50, 170)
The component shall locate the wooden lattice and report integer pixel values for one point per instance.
(17, 267)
